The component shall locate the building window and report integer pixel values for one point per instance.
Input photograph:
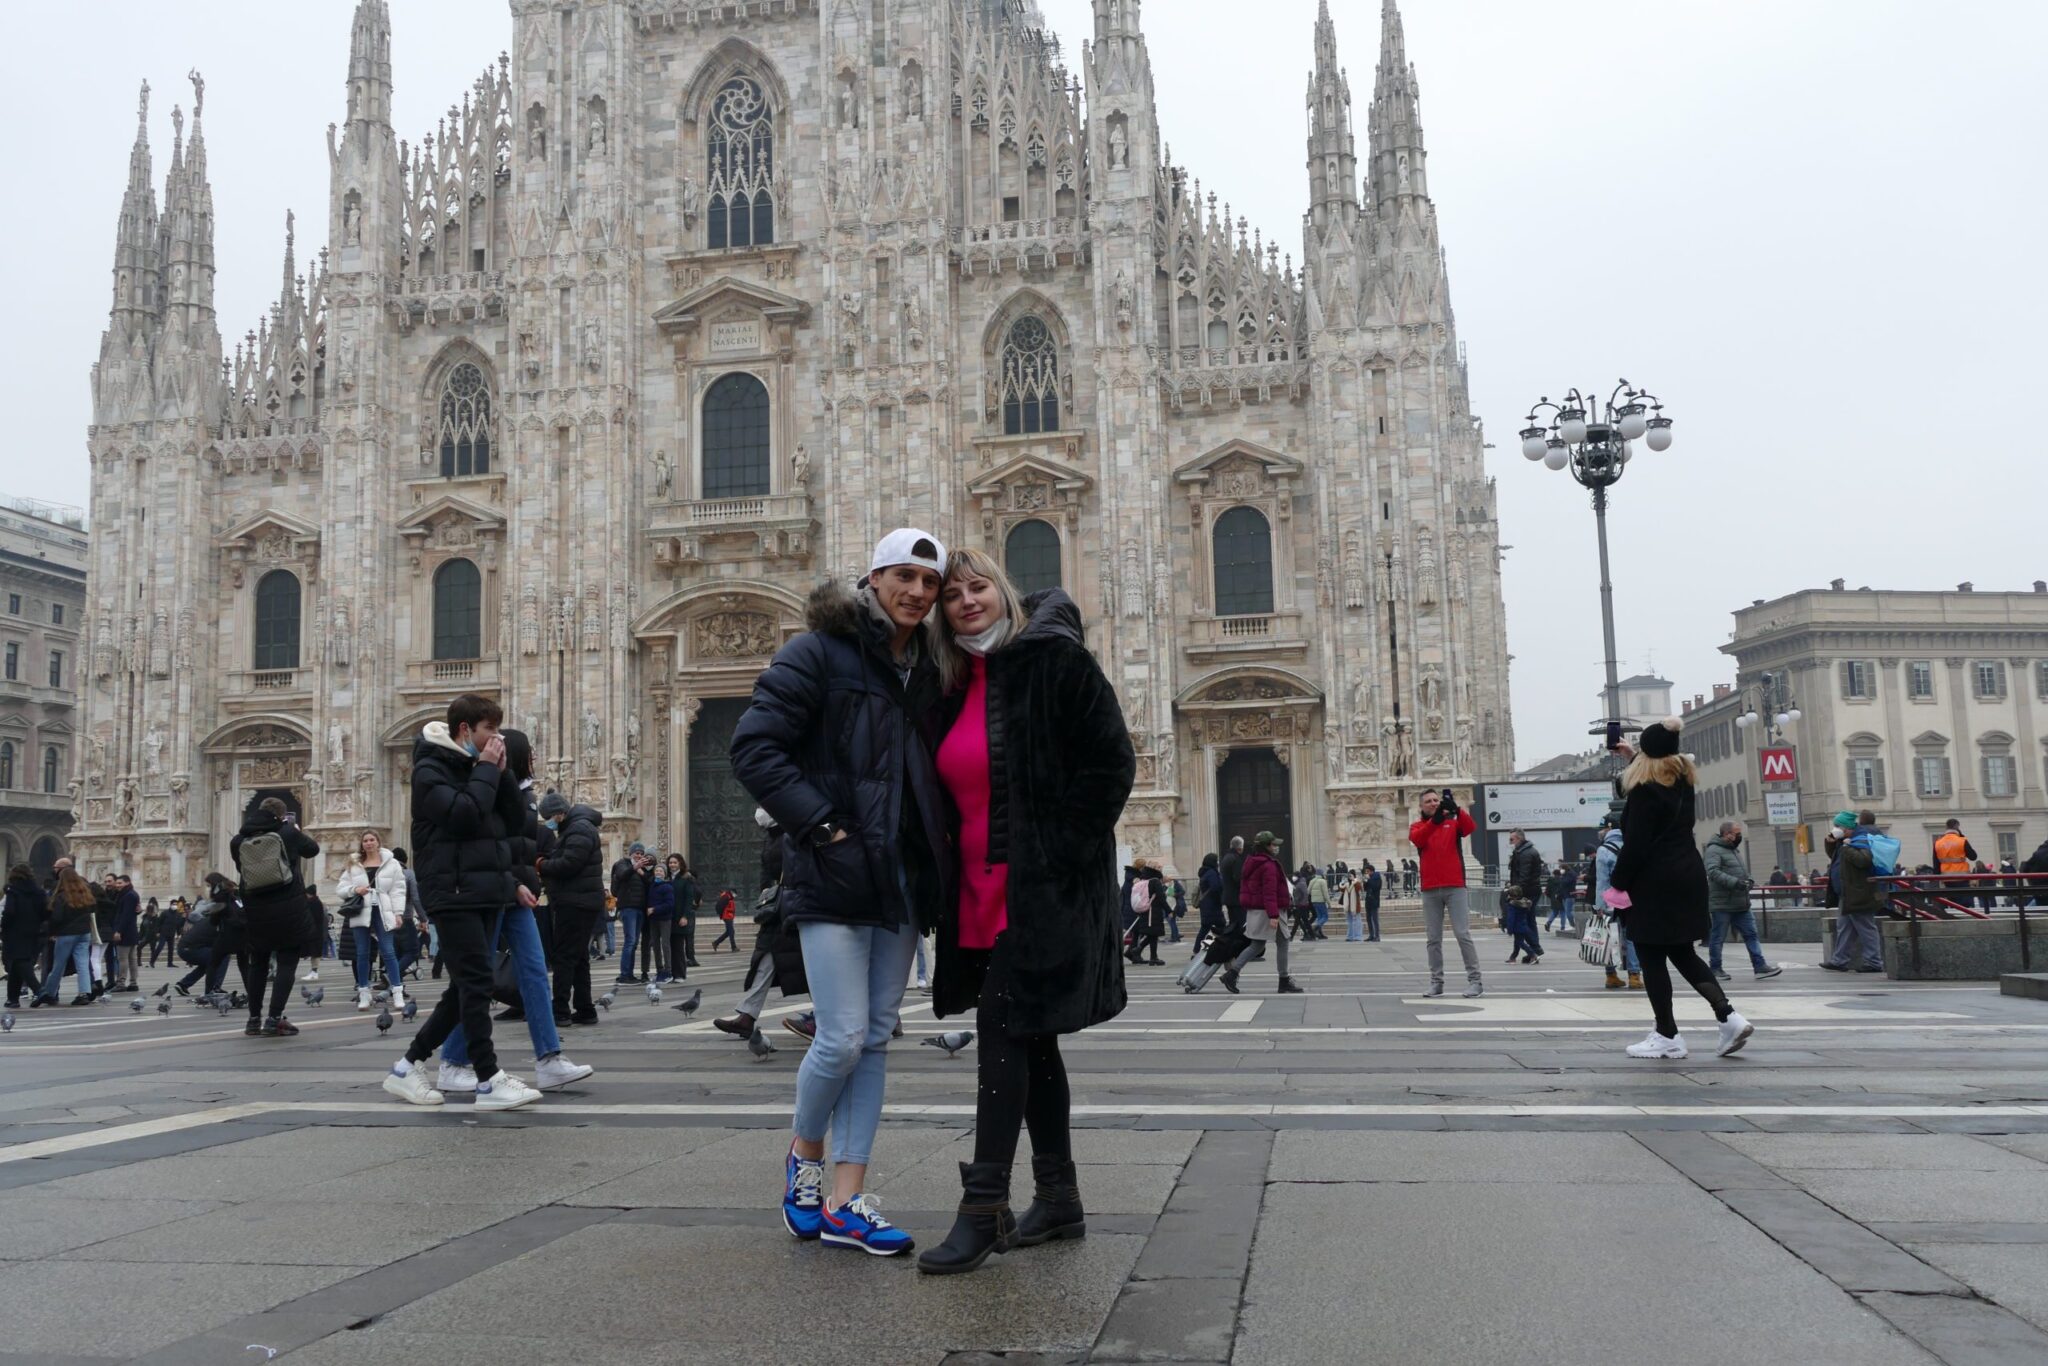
(2041, 680)
(1030, 379)
(13, 661)
(1866, 777)
(56, 668)
(1031, 554)
(56, 614)
(2008, 842)
(1858, 679)
(6, 763)
(741, 209)
(1920, 680)
(1244, 563)
(2000, 776)
(277, 620)
(1989, 678)
(736, 438)
(458, 611)
(50, 769)
(1930, 775)
(465, 422)
(14, 604)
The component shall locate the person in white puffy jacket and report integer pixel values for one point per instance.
(379, 879)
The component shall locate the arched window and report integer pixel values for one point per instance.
(740, 208)
(50, 769)
(465, 422)
(736, 438)
(458, 611)
(6, 763)
(277, 620)
(1244, 563)
(1030, 379)
(1031, 554)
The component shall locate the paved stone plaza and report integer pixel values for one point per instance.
(1357, 1174)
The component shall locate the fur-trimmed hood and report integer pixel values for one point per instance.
(835, 609)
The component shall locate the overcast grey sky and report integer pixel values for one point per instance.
(1813, 226)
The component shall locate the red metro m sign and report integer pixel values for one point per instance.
(1778, 765)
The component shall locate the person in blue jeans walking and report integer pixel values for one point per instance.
(516, 926)
(632, 878)
(374, 885)
(837, 747)
(1604, 857)
(1728, 901)
(70, 926)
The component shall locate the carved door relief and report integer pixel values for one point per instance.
(724, 847)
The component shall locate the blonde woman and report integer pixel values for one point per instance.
(1037, 761)
(379, 880)
(1665, 881)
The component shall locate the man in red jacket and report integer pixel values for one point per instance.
(1439, 836)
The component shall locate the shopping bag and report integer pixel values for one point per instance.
(1596, 946)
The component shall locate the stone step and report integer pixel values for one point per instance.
(2032, 984)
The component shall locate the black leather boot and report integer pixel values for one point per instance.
(983, 1225)
(1055, 1213)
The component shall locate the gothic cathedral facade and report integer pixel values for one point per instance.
(680, 307)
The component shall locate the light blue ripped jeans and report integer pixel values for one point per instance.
(857, 974)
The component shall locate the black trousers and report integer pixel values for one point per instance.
(571, 951)
(465, 948)
(1657, 982)
(256, 971)
(686, 930)
(1023, 1081)
(21, 974)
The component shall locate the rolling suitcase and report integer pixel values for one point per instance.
(1196, 975)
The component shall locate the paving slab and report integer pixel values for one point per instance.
(1929, 1196)
(1884, 1152)
(288, 1232)
(2012, 1275)
(1172, 1320)
(38, 1225)
(1466, 1156)
(618, 1283)
(382, 1345)
(1963, 1332)
(737, 1168)
(1841, 1249)
(1482, 1233)
(146, 1308)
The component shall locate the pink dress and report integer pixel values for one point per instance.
(963, 768)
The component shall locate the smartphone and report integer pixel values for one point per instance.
(1613, 735)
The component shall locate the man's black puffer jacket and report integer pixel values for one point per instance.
(463, 821)
(836, 734)
(574, 869)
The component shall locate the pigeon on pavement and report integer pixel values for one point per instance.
(758, 1045)
(379, 996)
(136, 1005)
(689, 1007)
(383, 1018)
(953, 1040)
(163, 990)
(7, 1023)
(316, 996)
(163, 1007)
(607, 999)
(412, 1007)
(653, 994)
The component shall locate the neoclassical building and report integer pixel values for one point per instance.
(679, 307)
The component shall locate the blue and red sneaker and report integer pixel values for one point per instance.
(803, 1197)
(859, 1223)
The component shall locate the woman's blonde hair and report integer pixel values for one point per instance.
(74, 891)
(970, 564)
(1668, 771)
(368, 835)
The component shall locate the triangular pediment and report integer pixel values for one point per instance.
(269, 524)
(450, 508)
(1030, 469)
(1273, 464)
(728, 292)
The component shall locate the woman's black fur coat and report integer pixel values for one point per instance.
(1061, 766)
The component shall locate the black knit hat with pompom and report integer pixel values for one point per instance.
(1660, 738)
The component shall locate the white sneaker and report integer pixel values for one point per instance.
(453, 1076)
(551, 1072)
(1735, 1032)
(409, 1084)
(362, 998)
(312, 976)
(398, 1000)
(505, 1092)
(1657, 1046)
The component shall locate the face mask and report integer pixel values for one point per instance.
(552, 824)
(469, 748)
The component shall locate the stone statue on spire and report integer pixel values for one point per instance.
(198, 91)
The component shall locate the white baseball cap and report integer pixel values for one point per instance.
(908, 545)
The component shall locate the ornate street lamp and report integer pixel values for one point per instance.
(1593, 440)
